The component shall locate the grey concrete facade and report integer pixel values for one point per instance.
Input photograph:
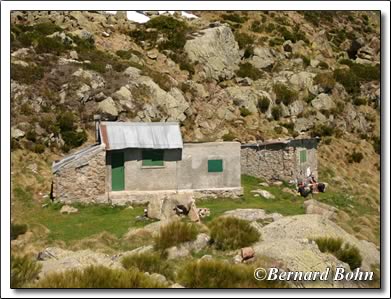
(184, 169)
(280, 161)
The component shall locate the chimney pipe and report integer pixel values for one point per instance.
(97, 124)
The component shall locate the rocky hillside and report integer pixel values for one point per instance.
(244, 76)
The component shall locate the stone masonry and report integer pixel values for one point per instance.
(82, 180)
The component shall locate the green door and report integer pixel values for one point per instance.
(117, 171)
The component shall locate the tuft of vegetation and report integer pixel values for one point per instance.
(276, 112)
(325, 80)
(323, 65)
(294, 35)
(98, 277)
(263, 104)
(284, 94)
(24, 271)
(322, 130)
(229, 136)
(358, 101)
(244, 111)
(231, 233)
(318, 17)
(328, 244)
(355, 157)
(256, 26)
(17, 229)
(175, 233)
(234, 17)
(376, 142)
(244, 40)
(26, 75)
(220, 274)
(276, 42)
(151, 262)
(348, 253)
(72, 137)
(348, 79)
(248, 70)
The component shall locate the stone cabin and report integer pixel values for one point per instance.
(134, 162)
(281, 159)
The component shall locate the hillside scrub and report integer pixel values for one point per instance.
(284, 94)
(248, 70)
(24, 270)
(231, 233)
(220, 274)
(175, 233)
(17, 229)
(98, 277)
(325, 80)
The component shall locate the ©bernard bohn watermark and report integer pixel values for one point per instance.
(339, 274)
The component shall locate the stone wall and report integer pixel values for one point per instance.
(279, 161)
(82, 180)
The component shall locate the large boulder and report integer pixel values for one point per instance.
(297, 230)
(302, 80)
(252, 215)
(313, 206)
(17, 133)
(323, 102)
(108, 108)
(217, 50)
(245, 96)
(262, 58)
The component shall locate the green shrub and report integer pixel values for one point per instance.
(325, 80)
(351, 255)
(26, 75)
(231, 233)
(348, 79)
(276, 112)
(46, 28)
(366, 72)
(276, 42)
(322, 130)
(73, 138)
(248, 70)
(355, 157)
(244, 111)
(358, 101)
(263, 104)
(39, 148)
(329, 244)
(248, 52)
(256, 26)
(306, 60)
(127, 54)
(24, 271)
(221, 274)
(323, 65)
(234, 17)
(278, 130)
(244, 40)
(50, 45)
(284, 94)
(294, 35)
(165, 24)
(66, 121)
(151, 262)
(98, 277)
(229, 137)
(182, 59)
(175, 233)
(17, 229)
(318, 17)
(376, 142)
(31, 135)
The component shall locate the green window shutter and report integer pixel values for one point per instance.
(215, 165)
(303, 156)
(153, 158)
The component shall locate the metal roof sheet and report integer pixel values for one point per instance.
(120, 135)
(87, 151)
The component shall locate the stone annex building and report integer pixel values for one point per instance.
(133, 162)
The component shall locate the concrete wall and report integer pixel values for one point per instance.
(183, 169)
(142, 178)
(279, 161)
(193, 169)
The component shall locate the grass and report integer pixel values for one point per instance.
(284, 203)
(17, 229)
(284, 94)
(23, 271)
(220, 274)
(347, 253)
(232, 233)
(175, 233)
(151, 262)
(98, 277)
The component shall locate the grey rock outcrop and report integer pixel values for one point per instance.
(323, 102)
(217, 50)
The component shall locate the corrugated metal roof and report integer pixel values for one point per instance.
(90, 150)
(120, 135)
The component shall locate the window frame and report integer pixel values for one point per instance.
(215, 168)
(152, 152)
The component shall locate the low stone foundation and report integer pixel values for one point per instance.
(123, 198)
